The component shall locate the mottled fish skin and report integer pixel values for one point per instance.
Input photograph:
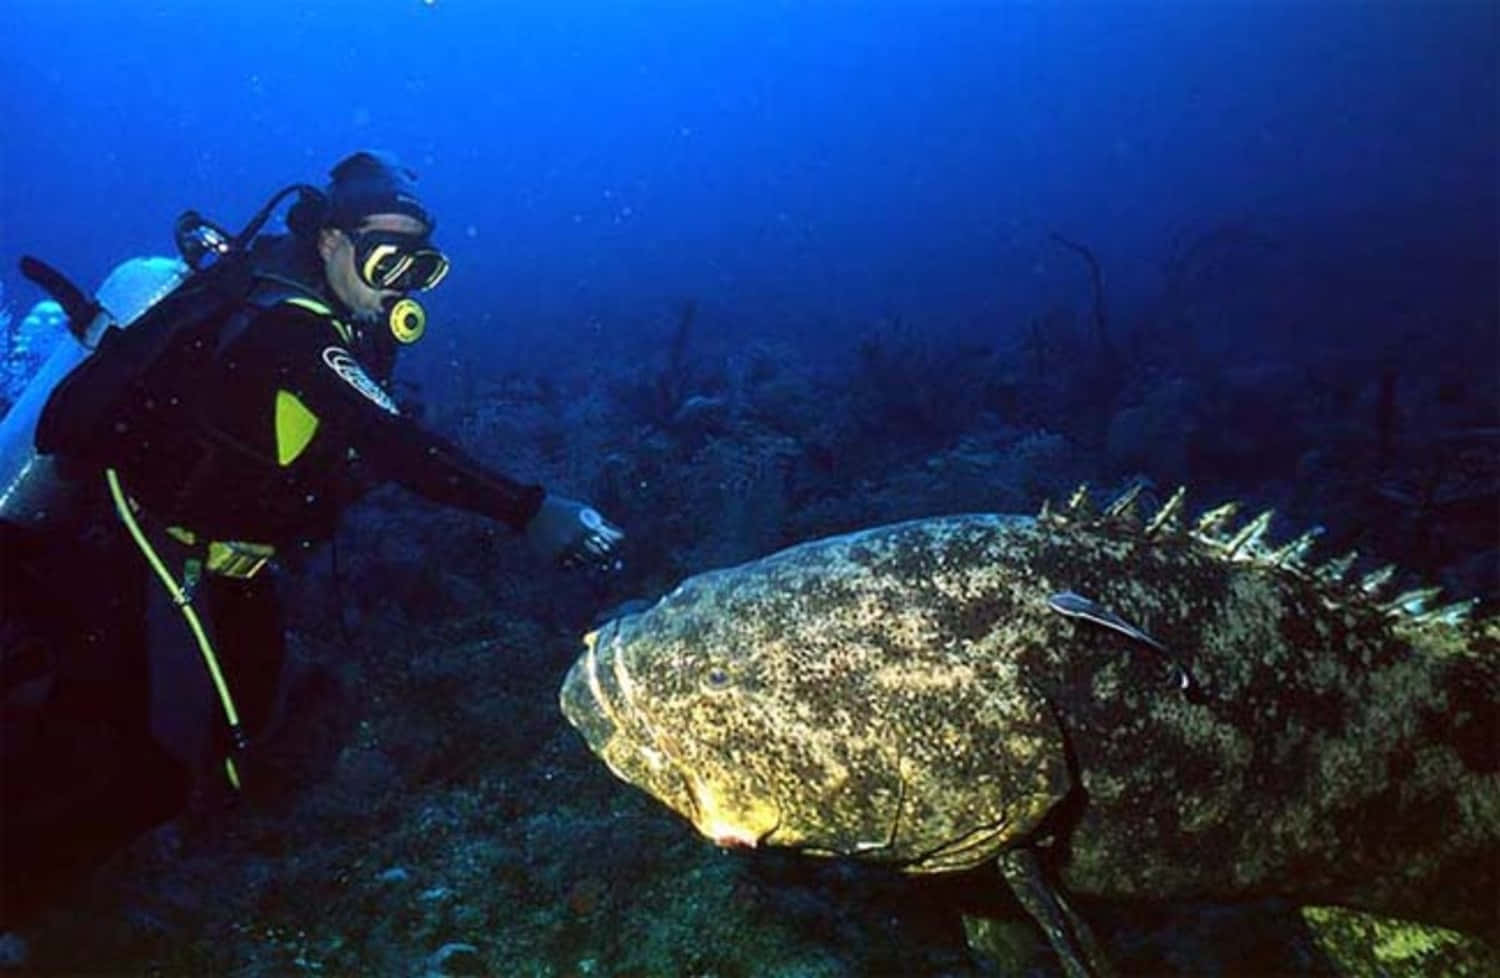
(906, 694)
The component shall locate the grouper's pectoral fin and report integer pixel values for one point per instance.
(1069, 936)
(1071, 604)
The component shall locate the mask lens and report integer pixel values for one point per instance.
(384, 265)
(427, 269)
(397, 262)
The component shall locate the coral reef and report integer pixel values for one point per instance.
(423, 810)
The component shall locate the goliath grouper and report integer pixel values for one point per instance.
(1102, 705)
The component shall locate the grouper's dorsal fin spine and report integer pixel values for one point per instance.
(1373, 582)
(1248, 540)
(1080, 505)
(1292, 555)
(1452, 613)
(1079, 509)
(1413, 602)
(1210, 526)
(1124, 509)
(1336, 569)
(1168, 519)
(1246, 545)
(1214, 530)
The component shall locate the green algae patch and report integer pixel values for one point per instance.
(1362, 945)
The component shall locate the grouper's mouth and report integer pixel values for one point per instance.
(599, 697)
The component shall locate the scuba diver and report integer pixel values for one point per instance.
(229, 423)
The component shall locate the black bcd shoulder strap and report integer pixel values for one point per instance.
(86, 410)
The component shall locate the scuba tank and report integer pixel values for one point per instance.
(32, 490)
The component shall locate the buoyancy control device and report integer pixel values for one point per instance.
(80, 404)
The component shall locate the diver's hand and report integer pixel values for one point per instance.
(572, 533)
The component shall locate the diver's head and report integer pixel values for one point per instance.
(353, 257)
(374, 237)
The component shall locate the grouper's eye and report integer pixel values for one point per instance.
(717, 679)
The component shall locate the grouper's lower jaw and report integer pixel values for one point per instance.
(741, 823)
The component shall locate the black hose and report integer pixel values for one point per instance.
(77, 305)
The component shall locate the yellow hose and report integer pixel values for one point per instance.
(184, 604)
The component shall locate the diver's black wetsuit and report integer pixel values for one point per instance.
(233, 485)
(271, 432)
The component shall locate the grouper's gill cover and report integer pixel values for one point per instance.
(913, 693)
(821, 698)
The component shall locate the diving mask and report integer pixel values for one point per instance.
(388, 260)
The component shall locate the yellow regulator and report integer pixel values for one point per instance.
(407, 319)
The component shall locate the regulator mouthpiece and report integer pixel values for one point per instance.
(406, 319)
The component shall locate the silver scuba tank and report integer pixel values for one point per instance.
(32, 492)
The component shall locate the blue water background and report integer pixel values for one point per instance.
(800, 168)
